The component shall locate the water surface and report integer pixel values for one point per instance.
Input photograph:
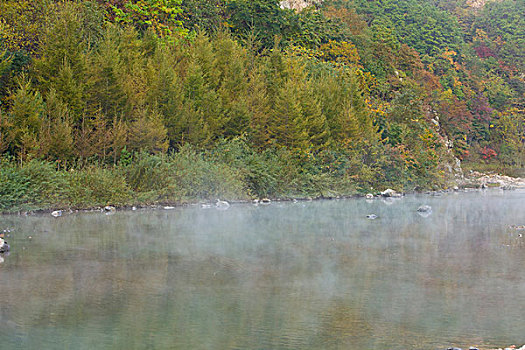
(307, 275)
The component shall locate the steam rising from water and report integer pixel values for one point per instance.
(305, 275)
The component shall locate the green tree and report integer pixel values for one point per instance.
(56, 132)
(297, 118)
(26, 119)
(160, 16)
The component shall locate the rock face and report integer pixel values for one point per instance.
(298, 5)
(478, 4)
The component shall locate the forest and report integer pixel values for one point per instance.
(138, 102)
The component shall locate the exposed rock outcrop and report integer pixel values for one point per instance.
(478, 4)
(299, 5)
(481, 180)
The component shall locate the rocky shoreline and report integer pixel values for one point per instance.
(475, 179)
(512, 347)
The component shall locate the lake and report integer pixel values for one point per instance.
(305, 275)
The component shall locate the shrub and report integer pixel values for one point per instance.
(150, 176)
(35, 185)
(95, 186)
(198, 177)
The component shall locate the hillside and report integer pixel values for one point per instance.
(336, 98)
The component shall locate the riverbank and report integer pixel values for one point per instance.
(232, 171)
(469, 184)
(97, 189)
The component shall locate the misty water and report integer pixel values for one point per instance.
(306, 275)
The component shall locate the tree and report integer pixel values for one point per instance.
(26, 119)
(56, 132)
(159, 16)
(510, 133)
(148, 133)
(297, 120)
(262, 18)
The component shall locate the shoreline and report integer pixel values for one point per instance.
(479, 182)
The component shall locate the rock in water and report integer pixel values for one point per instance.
(390, 193)
(4, 247)
(222, 205)
(369, 196)
(424, 209)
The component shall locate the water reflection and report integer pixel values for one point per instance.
(305, 275)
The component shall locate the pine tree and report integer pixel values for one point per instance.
(165, 89)
(105, 74)
(297, 119)
(6, 135)
(63, 41)
(25, 118)
(148, 133)
(258, 105)
(56, 135)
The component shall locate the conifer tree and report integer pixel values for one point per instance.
(119, 138)
(61, 65)
(92, 138)
(148, 133)
(56, 135)
(258, 105)
(297, 119)
(231, 64)
(105, 71)
(25, 118)
(165, 88)
(6, 134)
(343, 104)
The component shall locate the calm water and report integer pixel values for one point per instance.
(307, 275)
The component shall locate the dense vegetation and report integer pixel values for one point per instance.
(144, 101)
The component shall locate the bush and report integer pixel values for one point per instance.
(269, 173)
(198, 177)
(150, 177)
(95, 186)
(35, 185)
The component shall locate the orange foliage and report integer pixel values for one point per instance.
(354, 22)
